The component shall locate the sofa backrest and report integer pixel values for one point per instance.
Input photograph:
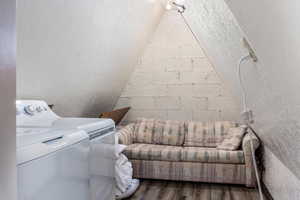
(180, 133)
(206, 134)
(163, 132)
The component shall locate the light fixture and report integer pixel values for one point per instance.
(168, 6)
(175, 5)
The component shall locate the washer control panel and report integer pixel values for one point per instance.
(34, 113)
(31, 109)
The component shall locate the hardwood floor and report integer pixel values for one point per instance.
(168, 190)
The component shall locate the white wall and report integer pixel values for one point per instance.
(7, 100)
(281, 182)
(272, 83)
(274, 32)
(78, 54)
(175, 80)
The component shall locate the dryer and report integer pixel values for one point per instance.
(101, 133)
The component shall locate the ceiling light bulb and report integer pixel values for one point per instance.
(168, 7)
(181, 2)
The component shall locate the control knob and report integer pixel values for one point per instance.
(30, 109)
(39, 109)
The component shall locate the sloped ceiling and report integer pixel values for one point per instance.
(272, 27)
(77, 54)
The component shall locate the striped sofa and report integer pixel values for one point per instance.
(186, 151)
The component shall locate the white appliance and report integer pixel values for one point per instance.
(52, 164)
(101, 132)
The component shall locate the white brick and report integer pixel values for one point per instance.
(230, 114)
(206, 115)
(172, 52)
(141, 78)
(143, 69)
(126, 91)
(220, 103)
(153, 53)
(122, 102)
(144, 103)
(189, 104)
(225, 92)
(191, 50)
(146, 61)
(207, 90)
(173, 79)
(181, 115)
(145, 90)
(192, 77)
(134, 114)
(197, 77)
(166, 78)
(168, 103)
(213, 78)
(202, 65)
(179, 64)
(200, 103)
(180, 90)
(150, 64)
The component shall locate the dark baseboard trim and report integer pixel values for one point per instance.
(266, 192)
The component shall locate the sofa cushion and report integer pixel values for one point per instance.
(212, 155)
(153, 152)
(143, 132)
(125, 134)
(206, 134)
(164, 132)
(233, 140)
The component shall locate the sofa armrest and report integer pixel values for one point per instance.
(250, 172)
(125, 135)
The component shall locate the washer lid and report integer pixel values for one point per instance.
(41, 116)
(32, 147)
(86, 124)
(29, 136)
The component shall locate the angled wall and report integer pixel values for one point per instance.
(78, 54)
(274, 32)
(272, 83)
(174, 79)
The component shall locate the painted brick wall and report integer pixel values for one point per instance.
(175, 80)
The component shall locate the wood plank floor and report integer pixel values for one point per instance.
(169, 190)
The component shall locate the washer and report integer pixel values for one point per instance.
(101, 133)
(52, 164)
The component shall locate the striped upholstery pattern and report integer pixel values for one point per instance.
(187, 152)
(212, 155)
(206, 134)
(250, 173)
(140, 151)
(125, 134)
(189, 171)
(144, 130)
(153, 152)
(166, 132)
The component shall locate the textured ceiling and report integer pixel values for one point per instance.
(272, 83)
(274, 32)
